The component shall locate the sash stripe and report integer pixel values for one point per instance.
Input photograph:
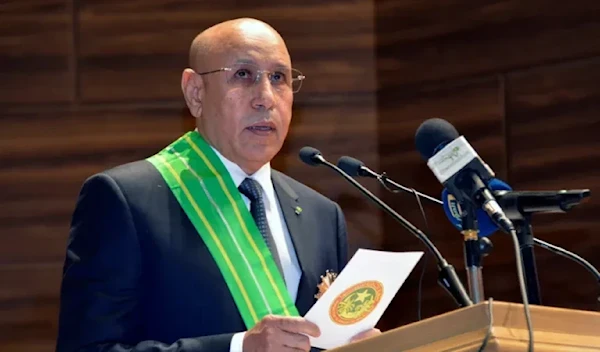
(239, 217)
(212, 201)
(214, 237)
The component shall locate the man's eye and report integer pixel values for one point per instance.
(278, 77)
(243, 73)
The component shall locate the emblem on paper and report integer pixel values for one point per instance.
(356, 302)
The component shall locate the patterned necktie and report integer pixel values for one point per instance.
(251, 189)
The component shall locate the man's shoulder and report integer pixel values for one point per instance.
(139, 170)
(134, 175)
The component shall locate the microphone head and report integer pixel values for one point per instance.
(350, 166)
(309, 155)
(485, 224)
(432, 135)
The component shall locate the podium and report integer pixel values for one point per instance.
(462, 330)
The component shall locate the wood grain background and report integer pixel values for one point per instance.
(86, 85)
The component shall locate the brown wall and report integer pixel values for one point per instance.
(87, 85)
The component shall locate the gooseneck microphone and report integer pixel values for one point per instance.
(355, 167)
(447, 277)
(516, 205)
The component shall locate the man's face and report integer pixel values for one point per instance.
(247, 122)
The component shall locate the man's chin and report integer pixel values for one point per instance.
(256, 157)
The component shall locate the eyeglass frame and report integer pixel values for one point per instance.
(301, 77)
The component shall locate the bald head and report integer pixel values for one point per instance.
(242, 112)
(236, 34)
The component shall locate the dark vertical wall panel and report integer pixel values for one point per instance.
(554, 142)
(35, 47)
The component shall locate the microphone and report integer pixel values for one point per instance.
(523, 232)
(551, 202)
(452, 208)
(518, 205)
(311, 156)
(447, 277)
(458, 167)
(355, 167)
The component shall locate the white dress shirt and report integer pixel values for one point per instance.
(278, 227)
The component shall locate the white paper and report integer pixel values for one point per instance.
(372, 270)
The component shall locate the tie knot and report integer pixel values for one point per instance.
(251, 189)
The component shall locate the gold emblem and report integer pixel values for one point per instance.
(326, 281)
(356, 302)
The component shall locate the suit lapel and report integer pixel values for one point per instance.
(290, 203)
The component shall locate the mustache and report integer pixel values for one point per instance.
(260, 119)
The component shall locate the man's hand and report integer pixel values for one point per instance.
(365, 334)
(277, 333)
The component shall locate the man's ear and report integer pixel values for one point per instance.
(192, 87)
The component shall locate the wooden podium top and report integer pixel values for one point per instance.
(462, 330)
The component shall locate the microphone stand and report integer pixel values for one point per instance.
(526, 242)
(474, 247)
(447, 277)
(472, 251)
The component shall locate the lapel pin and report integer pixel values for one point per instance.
(298, 210)
(326, 281)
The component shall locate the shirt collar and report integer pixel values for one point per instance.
(262, 175)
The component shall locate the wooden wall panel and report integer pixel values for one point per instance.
(35, 42)
(554, 144)
(29, 306)
(427, 40)
(41, 174)
(474, 107)
(44, 167)
(142, 59)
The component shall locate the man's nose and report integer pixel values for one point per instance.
(264, 96)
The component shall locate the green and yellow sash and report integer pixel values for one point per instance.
(207, 194)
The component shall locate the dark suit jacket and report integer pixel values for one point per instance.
(138, 277)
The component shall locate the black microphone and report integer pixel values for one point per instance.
(458, 167)
(355, 167)
(447, 275)
(311, 156)
(518, 204)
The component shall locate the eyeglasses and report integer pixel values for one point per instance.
(246, 75)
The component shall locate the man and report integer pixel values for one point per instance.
(202, 247)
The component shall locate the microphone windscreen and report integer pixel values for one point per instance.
(432, 135)
(307, 155)
(350, 165)
(484, 222)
